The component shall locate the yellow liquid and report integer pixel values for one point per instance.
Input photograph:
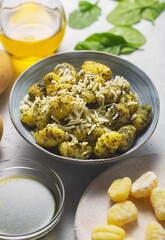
(31, 32)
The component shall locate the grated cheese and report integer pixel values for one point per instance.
(80, 113)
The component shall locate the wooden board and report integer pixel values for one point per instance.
(94, 204)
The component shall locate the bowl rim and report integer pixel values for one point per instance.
(95, 160)
(56, 179)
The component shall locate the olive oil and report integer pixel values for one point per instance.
(26, 205)
(31, 31)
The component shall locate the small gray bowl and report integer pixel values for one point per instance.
(139, 82)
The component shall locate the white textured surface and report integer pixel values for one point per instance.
(75, 178)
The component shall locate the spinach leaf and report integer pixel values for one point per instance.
(127, 49)
(153, 12)
(130, 34)
(86, 15)
(128, 13)
(106, 42)
(144, 3)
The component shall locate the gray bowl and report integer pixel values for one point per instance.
(140, 84)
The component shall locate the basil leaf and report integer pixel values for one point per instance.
(86, 15)
(126, 13)
(106, 42)
(153, 12)
(130, 34)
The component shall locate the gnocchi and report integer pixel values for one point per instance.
(98, 115)
(122, 213)
(154, 231)
(120, 189)
(108, 232)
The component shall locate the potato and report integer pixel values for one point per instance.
(1, 127)
(6, 71)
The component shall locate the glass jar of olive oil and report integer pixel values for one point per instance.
(31, 30)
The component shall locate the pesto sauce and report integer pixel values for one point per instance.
(26, 205)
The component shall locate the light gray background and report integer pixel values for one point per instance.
(76, 177)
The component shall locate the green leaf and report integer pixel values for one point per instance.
(145, 2)
(127, 50)
(122, 0)
(85, 6)
(126, 13)
(153, 12)
(86, 15)
(130, 34)
(106, 42)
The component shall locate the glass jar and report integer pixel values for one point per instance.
(31, 30)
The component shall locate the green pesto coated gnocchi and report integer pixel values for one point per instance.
(58, 89)
(131, 102)
(61, 106)
(97, 68)
(36, 90)
(75, 150)
(64, 69)
(49, 77)
(124, 84)
(41, 114)
(87, 77)
(142, 117)
(112, 94)
(107, 144)
(88, 96)
(128, 134)
(27, 117)
(84, 114)
(84, 133)
(118, 116)
(50, 136)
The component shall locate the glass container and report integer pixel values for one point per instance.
(31, 30)
(32, 199)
